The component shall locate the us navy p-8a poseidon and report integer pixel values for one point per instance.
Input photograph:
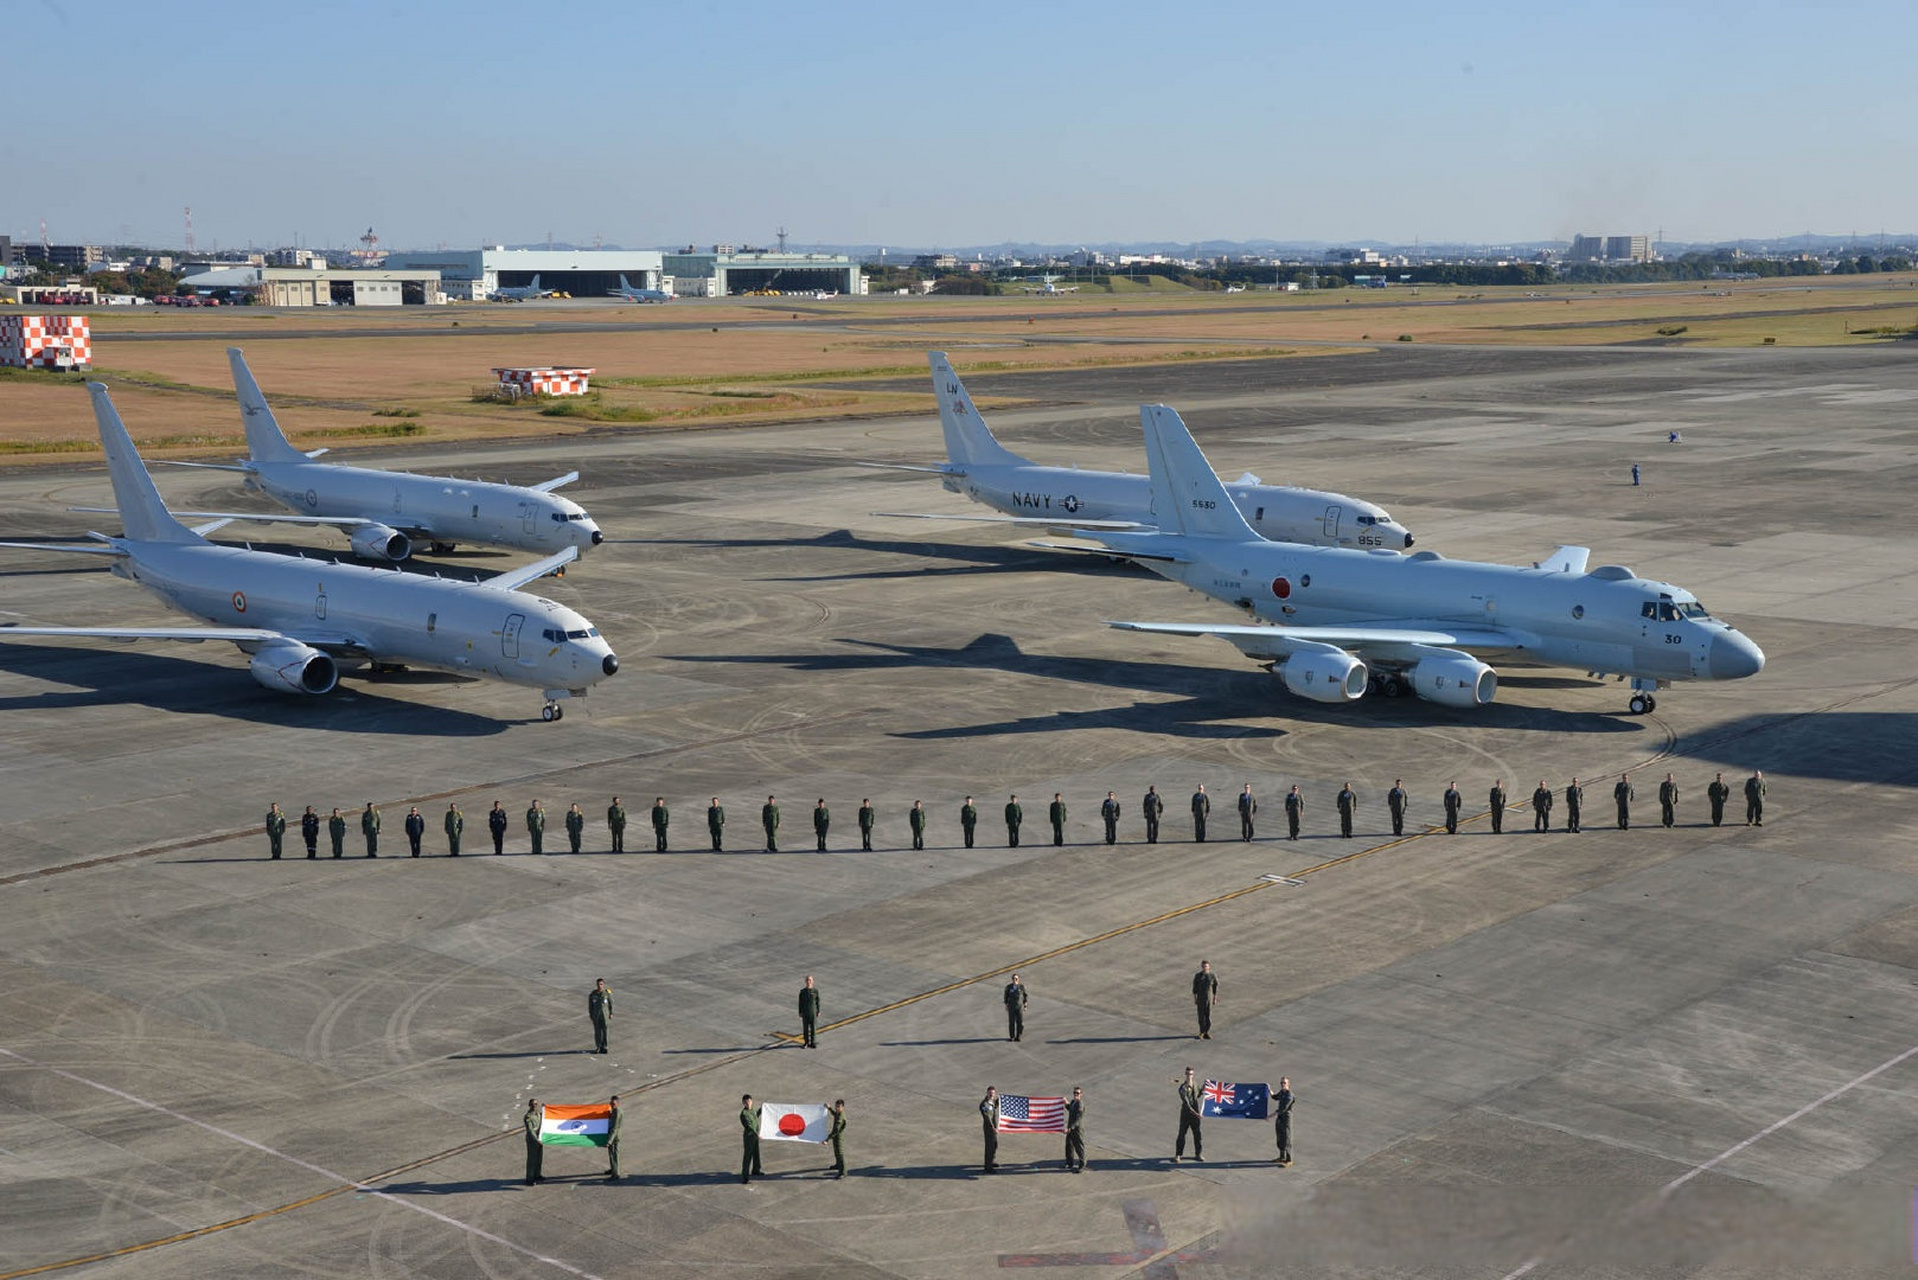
(978, 466)
(1358, 619)
(300, 619)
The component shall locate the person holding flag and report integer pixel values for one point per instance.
(1191, 1108)
(837, 1136)
(749, 1137)
(1076, 1131)
(531, 1122)
(1282, 1122)
(612, 1141)
(989, 1122)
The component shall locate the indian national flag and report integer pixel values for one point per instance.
(586, 1126)
(793, 1121)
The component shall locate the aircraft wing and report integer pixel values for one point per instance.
(550, 485)
(217, 519)
(1379, 639)
(1090, 526)
(333, 642)
(514, 579)
(1113, 553)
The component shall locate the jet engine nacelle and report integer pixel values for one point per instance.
(1323, 677)
(377, 542)
(1455, 679)
(287, 666)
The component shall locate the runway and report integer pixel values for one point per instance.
(1640, 1052)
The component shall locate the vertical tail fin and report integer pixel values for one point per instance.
(1187, 497)
(143, 515)
(623, 285)
(968, 440)
(265, 442)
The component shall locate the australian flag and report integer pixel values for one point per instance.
(1235, 1101)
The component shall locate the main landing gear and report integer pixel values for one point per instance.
(1642, 704)
(552, 711)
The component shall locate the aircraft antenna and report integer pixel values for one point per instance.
(189, 229)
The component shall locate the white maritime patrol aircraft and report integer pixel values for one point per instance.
(980, 467)
(384, 513)
(1349, 620)
(631, 294)
(523, 293)
(299, 620)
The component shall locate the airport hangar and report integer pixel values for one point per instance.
(477, 274)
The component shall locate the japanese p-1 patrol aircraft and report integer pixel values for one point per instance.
(383, 513)
(299, 620)
(978, 466)
(1357, 619)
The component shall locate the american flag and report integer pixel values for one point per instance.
(1020, 1114)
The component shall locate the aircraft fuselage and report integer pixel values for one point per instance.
(437, 508)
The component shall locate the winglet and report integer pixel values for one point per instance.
(968, 439)
(143, 515)
(550, 485)
(265, 442)
(514, 579)
(1187, 495)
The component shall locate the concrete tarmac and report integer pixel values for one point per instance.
(1680, 1052)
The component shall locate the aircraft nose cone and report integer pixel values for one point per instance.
(609, 664)
(1733, 657)
(598, 537)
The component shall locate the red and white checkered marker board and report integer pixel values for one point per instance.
(32, 342)
(546, 381)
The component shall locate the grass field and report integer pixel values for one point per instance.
(422, 375)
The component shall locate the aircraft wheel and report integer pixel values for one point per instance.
(1639, 704)
(1651, 702)
(1392, 687)
(549, 712)
(442, 548)
(559, 713)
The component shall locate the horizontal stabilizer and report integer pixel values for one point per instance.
(514, 579)
(550, 485)
(944, 469)
(79, 548)
(205, 466)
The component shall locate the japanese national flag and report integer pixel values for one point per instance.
(794, 1122)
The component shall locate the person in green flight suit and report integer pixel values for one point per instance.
(370, 828)
(715, 822)
(336, 830)
(916, 819)
(1191, 1111)
(536, 826)
(968, 819)
(1541, 807)
(749, 1134)
(616, 825)
(275, 829)
(821, 822)
(599, 1011)
(866, 818)
(1667, 801)
(837, 1136)
(455, 827)
(1755, 799)
(612, 1140)
(1496, 799)
(809, 1014)
(1076, 1131)
(1454, 801)
(1056, 813)
(1014, 816)
(769, 819)
(1574, 806)
(575, 826)
(1718, 793)
(534, 1152)
(1395, 802)
(1348, 803)
(1622, 795)
(662, 818)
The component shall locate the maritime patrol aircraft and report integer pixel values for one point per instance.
(986, 471)
(1349, 620)
(523, 293)
(383, 513)
(631, 294)
(300, 620)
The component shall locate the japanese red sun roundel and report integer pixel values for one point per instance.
(1281, 588)
(792, 1125)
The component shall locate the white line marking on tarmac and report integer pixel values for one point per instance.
(357, 1185)
(1665, 1192)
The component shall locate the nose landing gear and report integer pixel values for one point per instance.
(552, 711)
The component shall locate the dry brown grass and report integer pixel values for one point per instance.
(731, 362)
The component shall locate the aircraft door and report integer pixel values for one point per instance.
(509, 635)
(1332, 522)
(529, 517)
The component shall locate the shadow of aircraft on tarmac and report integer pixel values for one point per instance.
(190, 686)
(1215, 703)
(1879, 747)
(1009, 557)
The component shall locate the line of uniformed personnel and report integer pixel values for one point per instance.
(1152, 807)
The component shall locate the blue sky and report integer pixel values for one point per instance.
(848, 121)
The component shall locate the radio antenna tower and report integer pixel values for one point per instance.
(781, 233)
(189, 229)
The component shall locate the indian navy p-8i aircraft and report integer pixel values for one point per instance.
(384, 513)
(299, 620)
(1353, 620)
(984, 470)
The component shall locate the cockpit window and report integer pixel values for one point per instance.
(1693, 609)
(1368, 519)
